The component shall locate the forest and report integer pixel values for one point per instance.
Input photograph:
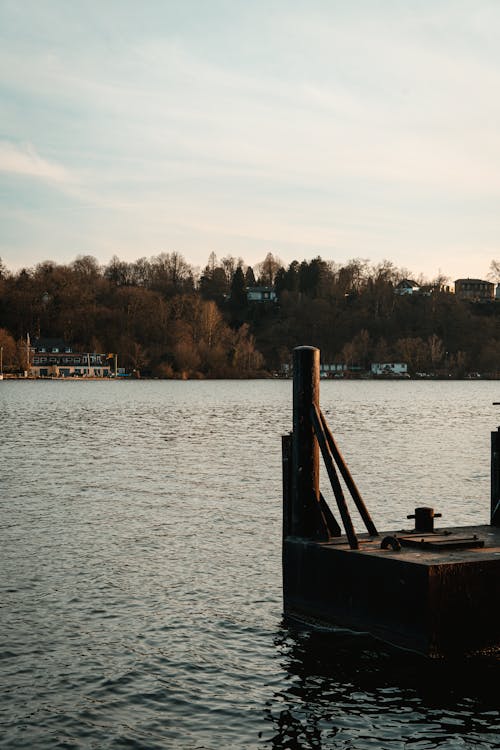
(165, 318)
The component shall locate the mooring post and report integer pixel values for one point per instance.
(286, 461)
(495, 478)
(306, 517)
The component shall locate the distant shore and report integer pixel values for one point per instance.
(270, 376)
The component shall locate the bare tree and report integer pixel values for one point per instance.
(436, 349)
(268, 269)
(86, 266)
(229, 264)
(10, 358)
(494, 272)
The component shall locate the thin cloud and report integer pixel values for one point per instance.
(24, 160)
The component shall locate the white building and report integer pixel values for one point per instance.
(389, 369)
(407, 286)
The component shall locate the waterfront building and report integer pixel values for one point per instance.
(49, 358)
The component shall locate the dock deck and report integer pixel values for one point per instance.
(430, 549)
(434, 601)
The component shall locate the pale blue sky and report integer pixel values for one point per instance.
(346, 129)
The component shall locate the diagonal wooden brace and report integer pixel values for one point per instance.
(347, 477)
(334, 480)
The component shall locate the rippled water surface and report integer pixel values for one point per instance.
(140, 567)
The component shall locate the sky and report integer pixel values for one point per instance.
(354, 129)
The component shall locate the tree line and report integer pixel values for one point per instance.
(166, 318)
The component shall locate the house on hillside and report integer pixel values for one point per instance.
(407, 286)
(475, 290)
(49, 358)
(261, 294)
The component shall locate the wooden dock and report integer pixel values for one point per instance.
(424, 588)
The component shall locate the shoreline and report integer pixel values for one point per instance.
(427, 379)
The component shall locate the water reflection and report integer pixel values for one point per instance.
(347, 691)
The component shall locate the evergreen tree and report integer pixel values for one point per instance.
(249, 277)
(238, 296)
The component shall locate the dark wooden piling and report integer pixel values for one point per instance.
(307, 519)
(495, 478)
(286, 454)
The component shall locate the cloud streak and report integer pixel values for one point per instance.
(24, 160)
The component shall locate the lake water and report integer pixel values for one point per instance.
(141, 567)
